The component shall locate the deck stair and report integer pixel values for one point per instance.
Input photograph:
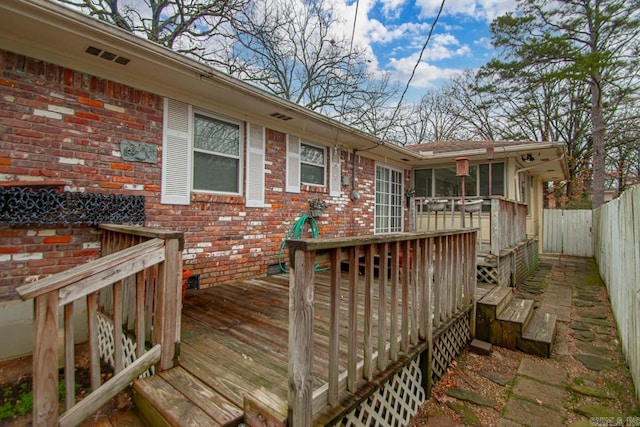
(513, 323)
(176, 398)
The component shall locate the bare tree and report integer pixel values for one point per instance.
(295, 50)
(185, 26)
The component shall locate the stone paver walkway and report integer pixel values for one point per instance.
(585, 382)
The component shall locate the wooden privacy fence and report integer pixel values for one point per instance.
(408, 285)
(616, 227)
(567, 232)
(153, 258)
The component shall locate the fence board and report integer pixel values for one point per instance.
(617, 252)
(568, 232)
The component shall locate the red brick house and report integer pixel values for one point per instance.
(88, 109)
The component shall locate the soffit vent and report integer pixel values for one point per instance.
(109, 56)
(281, 116)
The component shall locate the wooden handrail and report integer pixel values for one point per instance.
(148, 261)
(423, 281)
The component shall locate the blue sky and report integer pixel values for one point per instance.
(394, 31)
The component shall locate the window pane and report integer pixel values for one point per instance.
(215, 173)
(216, 136)
(310, 154)
(471, 182)
(450, 185)
(423, 181)
(497, 179)
(312, 174)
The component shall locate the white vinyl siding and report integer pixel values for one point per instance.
(389, 200)
(255, 166)
(176, 153)
(293, 164)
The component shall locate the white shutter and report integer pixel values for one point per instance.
(176, 153)
(335, 173)
(255, 166)
(293, 164)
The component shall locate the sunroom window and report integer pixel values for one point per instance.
(216, 155)
(443, 182)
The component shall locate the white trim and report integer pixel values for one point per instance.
(293, 164)
(177, 134)
(239, 157)
(255, 185)
(400, 197)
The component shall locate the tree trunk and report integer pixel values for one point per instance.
(598, 129)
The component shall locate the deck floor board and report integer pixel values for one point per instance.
(234, 340)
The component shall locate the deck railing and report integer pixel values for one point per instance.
(407, 286)
(501, 222)
(127, 252)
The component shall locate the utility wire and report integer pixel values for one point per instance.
(413, 72)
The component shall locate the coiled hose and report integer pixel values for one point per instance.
(297, 232)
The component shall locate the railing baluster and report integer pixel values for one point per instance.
(395, 279)
(352, 333)
(94, 350)
(383, 274)
(368, 313)
(416, 266)
(406, 278)
(334, 327)
(69, 357)
(117, 326)
(139, 313)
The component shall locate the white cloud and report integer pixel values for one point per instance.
(426, 74)
(475, 9)
(392, 8)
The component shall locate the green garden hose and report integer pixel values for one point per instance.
(297, 232)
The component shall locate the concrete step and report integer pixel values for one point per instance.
(511, 323)
(539, 335)
(491, 301)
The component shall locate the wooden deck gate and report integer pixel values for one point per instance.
(567, 232)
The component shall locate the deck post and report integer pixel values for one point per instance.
(169, 294)
(45, 360)
(301, 297)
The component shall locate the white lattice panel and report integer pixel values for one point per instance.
(106, 347)
(392, 405)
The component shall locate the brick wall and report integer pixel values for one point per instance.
(60, 125)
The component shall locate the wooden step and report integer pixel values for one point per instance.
(539, 335)
(175, 398)
(511, 322)
(488, 307)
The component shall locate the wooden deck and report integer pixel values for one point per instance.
(242, 357)
(234, 344)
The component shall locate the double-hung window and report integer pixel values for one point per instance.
(204, 152)
(216, 154)
(312, 164)
(389, 200)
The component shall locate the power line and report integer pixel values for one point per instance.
(413, 72)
